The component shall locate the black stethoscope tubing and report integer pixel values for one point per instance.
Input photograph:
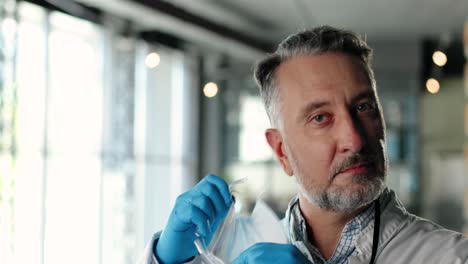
(375, 240)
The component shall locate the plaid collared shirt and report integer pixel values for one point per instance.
(346, 245)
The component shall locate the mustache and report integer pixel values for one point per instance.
(368, 158)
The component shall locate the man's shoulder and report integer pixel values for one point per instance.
(420, 239)
(405, 223)
(426, 230)
(423, 241)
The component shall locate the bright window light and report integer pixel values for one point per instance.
(8, 28)
(70, 184)
(253, 121)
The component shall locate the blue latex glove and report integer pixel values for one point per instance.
(268, 253)
(199, 210)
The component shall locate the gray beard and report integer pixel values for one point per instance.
(341, 200)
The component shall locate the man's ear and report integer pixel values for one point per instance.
(275, 140)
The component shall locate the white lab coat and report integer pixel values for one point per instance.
(404, 238)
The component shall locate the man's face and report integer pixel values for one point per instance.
(331, 134)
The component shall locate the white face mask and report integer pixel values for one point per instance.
(237, 233)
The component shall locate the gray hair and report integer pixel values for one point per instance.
(308, 42)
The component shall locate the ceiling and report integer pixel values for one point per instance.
(378, 19)
(269, 21)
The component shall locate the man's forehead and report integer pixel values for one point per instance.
(322, 69)
(326, 79)
(323, 99)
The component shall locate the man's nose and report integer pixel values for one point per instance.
(351, 136)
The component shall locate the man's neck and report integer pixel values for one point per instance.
(324, 226)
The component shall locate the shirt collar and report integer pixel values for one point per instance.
(346, 245)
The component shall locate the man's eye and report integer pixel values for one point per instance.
(319, 119)
(365, 107)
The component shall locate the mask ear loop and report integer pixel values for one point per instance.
(200, 244)
(237, 182)
(201, 248)
(205, 255)
(234, 184)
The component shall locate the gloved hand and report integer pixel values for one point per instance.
(199, 210)
(268, 253)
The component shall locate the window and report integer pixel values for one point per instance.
(90, 139)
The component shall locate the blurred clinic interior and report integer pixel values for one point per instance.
(110, 109)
